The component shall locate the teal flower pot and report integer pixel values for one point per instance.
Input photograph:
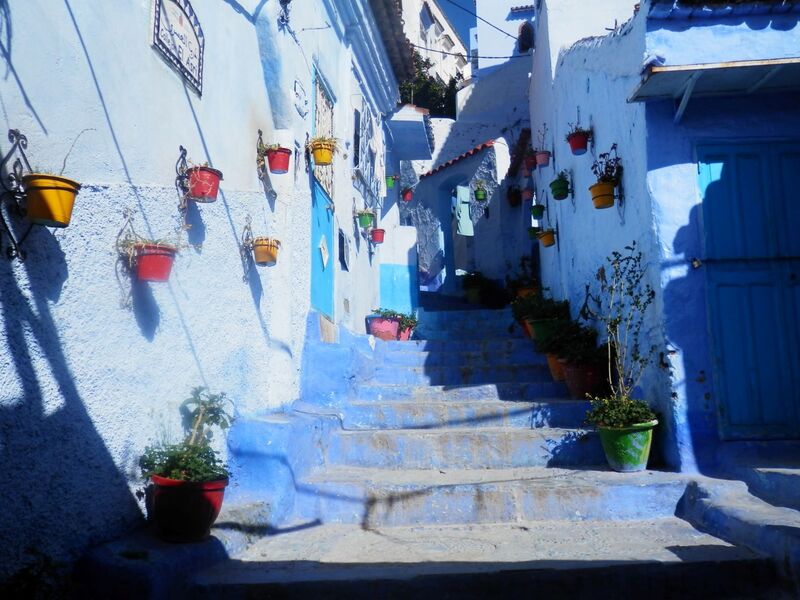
(628, 448)
(559, 188)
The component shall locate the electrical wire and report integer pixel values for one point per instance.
(481, 19)
(461, 55)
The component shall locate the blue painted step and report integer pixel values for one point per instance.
(486, 448)
(494, 345)
(517, 391)
(523, 355)
(481, 413)
(462, 375)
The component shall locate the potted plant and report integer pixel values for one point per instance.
(625, 424)
(547, 237)
(276, 157)
(553, 348)
(203, 183)
(480, 190)
(534, 231)
(188, 478)
(527, 193)
(376, 235)
(542, 315)
(365, 218)
(514, 195)
(408, 194)
(472, 283)
(265, 250)
(529, 160)
(524, 281)
(581, 361)
(151, 260)
(578, 139)
(560, 186)
(390, 179)
(608, 171)
(323, 149)
(537, 211)
(390, 325)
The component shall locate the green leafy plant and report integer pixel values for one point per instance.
(608, 166)
(426, 91)
(524, 277)
(193, 459)
(406, 321)
(537, 307)
(562, 176)
(580, 346)
(480, 184)
(618, 412)
(575, 128)
(331, 143)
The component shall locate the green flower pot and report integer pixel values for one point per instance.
(365, 219)
(628, 448)
(480, 195)
(389, 182)
(537, 211)
(560, 189)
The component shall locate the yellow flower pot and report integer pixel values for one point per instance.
(547, 238)
(50, 199)
(265, 250)
(323, 153)
(602, 194)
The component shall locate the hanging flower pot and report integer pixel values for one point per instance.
(578, 141)
(526, 172)
(154, 261)
(627, 449)
(603, 194)
(529, 161)
(376, 235)
(49, 199)
(365, 219)
(537, 211)
(408, 195)
(184, 511)
(527, 194)
(514, 195)
(480, 194)
(389, 182)
(278, 160)
(542, 158)
(534, 231)
(265, 250)
(559, 187)
(556, 368)
(547, 238)
(203, 183)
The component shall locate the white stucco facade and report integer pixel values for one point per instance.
(427, 26)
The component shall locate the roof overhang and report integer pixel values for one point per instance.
(682, 82)
(411, 133)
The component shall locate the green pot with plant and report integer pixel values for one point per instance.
(608, 171)
(625, 424)
(480, 191)
(559, 187)
(543, 316)
(366, 218)
(188, 478)
(323, 149)
(537, 211)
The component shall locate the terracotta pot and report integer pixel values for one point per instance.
(49, 199)
(556, 368)
(405, 334)
(184, 511)
(376, 235)
(154, 262)
(526, 291)
(547, 238)
(265, 250)
(582, 379)
(383, 329)
(603, 194)
(530, 161)
(542, 158)
(278, 160)
(203, 183)
(578, 142)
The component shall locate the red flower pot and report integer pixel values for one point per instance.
(203, 183)
(184, 511)
(154, 262)
(405, 334)
(408, 195)
(383, 329)
(578, 142)
(377, 235)
(527, 194)
(582, 379)
(530, 161)
(278, 160)
(514, 196)
(542, 158)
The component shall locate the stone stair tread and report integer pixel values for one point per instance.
(482, 432)
(471, 390)
(337, 552)
(486, 402)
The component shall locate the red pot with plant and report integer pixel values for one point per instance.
(582, 379)
(184, 511)
(376, 235)
(154, 261)
(578, 139)
(514, 195)
(383, 328)
(203, 183)
(527, 194)
(530, 161)
(542, 158)
(278, 160)
(408, 195)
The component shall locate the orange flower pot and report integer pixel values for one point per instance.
(547, 238)
(556, 368)
(49, 199)
(265, 250)
(603, 194)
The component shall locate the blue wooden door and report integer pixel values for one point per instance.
(322, 248)
(751, 221)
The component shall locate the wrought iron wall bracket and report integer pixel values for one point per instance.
(245, 248)
(12, 192)
(182, 184)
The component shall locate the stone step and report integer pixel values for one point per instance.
(525, 354)
(492, 345)
(778, 485)
(517, 391)
(440, 317)
(463, 375)
(468, 333)
(464, 448)
(383, 497)
(655, 559)
(480, 413)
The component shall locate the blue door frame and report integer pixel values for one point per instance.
(751, 225)
(322, 234)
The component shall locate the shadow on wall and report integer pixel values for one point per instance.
(61, 489)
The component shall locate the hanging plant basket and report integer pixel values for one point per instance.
(514, 195)
(533, 232)
(537, 211)
(376, 235)
(389, 182)
(542, 158)
(265, 250)
(559, 188)
(366, 219)
(278, 160)
(323, 152)
(529, 162)
(578, 142)
(527, 194)
(49, 199)
(603, 194)
(184, 511)
(154, 261)
(547, 238)
(408, 195)
(203, 183)
(480, 195)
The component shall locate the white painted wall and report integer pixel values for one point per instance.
(446, 66)
(494, 43)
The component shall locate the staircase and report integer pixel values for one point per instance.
(462, 470)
